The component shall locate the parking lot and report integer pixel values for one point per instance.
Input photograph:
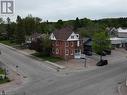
(117, 56)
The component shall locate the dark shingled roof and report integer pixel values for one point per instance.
(64, 33)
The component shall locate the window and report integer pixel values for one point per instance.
(77, 51)
(67, 44)
(57, 51)
(53, 50)
(72, 37)
(53, 43)
(67, 52)
(72, 44)
(72, 53)
(57, 43)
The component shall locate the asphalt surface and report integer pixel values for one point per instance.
(43, 80)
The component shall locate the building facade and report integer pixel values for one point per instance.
(118, 37)
(66, 43)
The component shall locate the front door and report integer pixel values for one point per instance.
(77, 53)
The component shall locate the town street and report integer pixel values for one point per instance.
(43, 80)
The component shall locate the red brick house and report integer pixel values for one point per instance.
(66, 43)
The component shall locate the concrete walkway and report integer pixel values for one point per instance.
(16, 79)
(122, 89)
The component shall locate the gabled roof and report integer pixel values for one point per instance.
(36, 35)
(63, 34)
(110, 29)
(87, 41)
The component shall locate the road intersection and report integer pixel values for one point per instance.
(40, 79)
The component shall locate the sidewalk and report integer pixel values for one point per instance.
(122, 89)
(77, 65)
(16, 80)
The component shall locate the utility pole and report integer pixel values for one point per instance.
(85, 63)
(3, 92)
(83, 56)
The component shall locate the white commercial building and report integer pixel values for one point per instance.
(120, 38)
(122, 33)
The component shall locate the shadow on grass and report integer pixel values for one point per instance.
(6, 80)
(7, 42)
(48, 58)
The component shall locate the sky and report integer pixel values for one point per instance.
(53, 10)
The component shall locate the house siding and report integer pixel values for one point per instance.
(66, 48)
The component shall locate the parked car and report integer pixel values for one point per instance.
(88, 53)
(102, 63)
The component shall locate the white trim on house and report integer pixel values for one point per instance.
(57, 51)
(72, 52)
(52, 37)
(73, 37)
(67, 51)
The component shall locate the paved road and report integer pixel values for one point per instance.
(42, 80)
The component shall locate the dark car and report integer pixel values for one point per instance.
(102, 63)
(88, 53)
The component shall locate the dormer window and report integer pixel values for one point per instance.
(72, 37)
(53, 36)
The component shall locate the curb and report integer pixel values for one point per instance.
(56, 65)
(120, 89)
(24, 53)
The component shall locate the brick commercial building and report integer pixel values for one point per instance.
(66, 43)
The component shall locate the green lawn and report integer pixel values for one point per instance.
(48, 58)
(3, 80)
(2, 71)
(7, 42)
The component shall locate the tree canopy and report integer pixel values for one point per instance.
(101, 42)
(29, 25)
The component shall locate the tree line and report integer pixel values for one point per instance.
(26, 26)
(16, 31)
